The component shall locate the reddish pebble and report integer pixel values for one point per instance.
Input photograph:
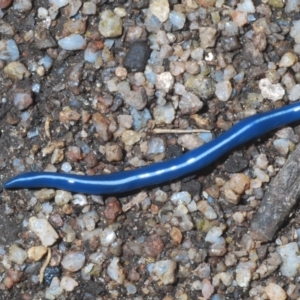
(5, 3)
(153, 245)
(69, 115)
(207, 288)
(15, 275)
(73, 154)
(56, 220)
(91, 160)
(23, 100)
(8, 282)
(113, 152)
(112, 210)
(102, 126)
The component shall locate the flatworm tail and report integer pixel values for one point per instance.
(161, 172)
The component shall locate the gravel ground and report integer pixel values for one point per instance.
(103, 86)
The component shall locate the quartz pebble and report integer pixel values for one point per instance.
(190, 104)
(73, 261)
(54, 290)
(115, 271)
(107, 237)
(271, 91)
(164, 271)
(282, 146)
(223, 90)
(164, 81)
(160, 9)
(22, 100)
(164, 114)
(110, 24)
(275, 292)
(290, 259)
(62, 197)
(246, 6)
(16, 254)
(44, 231)
(9, 50)
(72, 42)
(177, 19)
(68, 284)
(207, 210)
(22, 5)
(294, 92)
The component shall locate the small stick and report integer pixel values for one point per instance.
(44, 266)
(160, 130)
(136, 200)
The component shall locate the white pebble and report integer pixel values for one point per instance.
(213, 234)
(68, 283)
(177, 19)
(223, 90)
(59, 3)
(164, 271)
(73, 261)
(246, 6)
(115, 271)
(289, 254)
(44, 231)
(181, 198)
(72, 42)
(160, 9)
(107, 237)
(271, 91)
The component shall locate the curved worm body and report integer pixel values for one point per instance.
(161, 172)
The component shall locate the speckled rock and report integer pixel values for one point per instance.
(164, 271)
(164, 114)
(190, 104)
(201, 86)
(16, 71)
(271, 91)
(160, 9)
(110, 24)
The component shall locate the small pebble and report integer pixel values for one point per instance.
(37, 252)
(164, 271)
(207, 210)
(16, 254)
(289, 254)
(68, 283)
(16, 71)
(73, 261)
(115, 271)
(160, 9)
(223, 90)
(110, 24)
(44, 231)
(22, 100)
(271, 91)
(275, 292)
(282, 146)
(72, 42)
